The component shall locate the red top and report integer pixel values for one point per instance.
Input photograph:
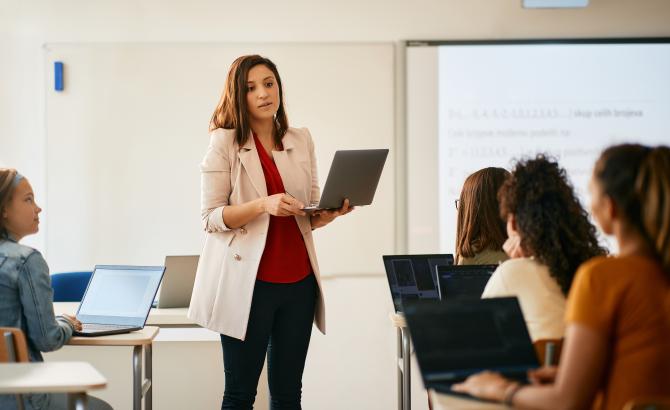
(285, 258)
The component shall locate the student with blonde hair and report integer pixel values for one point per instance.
(26, 297)
(618, 314)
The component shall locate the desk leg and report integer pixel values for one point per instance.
(406, 370)
(137, 377)
(77, 401)
(149, 382)
(398, 369)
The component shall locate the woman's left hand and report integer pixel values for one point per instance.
(485, 385)
(324, 217)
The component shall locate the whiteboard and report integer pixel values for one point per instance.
(126, 135)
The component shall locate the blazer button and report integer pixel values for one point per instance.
(237, 257)
(209, 231)
(243, 231)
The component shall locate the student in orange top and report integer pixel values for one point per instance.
(618, 314)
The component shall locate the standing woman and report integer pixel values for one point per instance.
(258, 278)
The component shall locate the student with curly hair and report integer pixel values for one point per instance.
(549, 236)
(618, 315)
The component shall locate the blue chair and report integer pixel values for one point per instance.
(69, 286)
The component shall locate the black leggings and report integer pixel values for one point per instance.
(280, 323)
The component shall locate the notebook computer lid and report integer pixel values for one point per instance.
(353, 175)
(412, 277)
(177, 285)
(120, 295)
(463, 281)
(454, 339)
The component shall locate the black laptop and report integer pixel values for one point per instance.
(413, 277)
(455, 339)
(463, 281)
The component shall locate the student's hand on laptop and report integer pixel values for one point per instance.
(543, 375)
(323, 217)
(486, 385)
(76, 324)
(283, 205)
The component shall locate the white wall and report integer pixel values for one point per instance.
(26, 25)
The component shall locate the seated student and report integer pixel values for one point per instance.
(549, 237)
(480, 233)
(26, 297)
(618, 316)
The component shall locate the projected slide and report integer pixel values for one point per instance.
(497, 103)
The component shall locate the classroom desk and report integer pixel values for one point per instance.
(72, 378)
(173, 317)
(446, 402)
(403, 361)
(139, 340)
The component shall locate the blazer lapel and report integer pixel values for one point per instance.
(252, 164)
(286, 164)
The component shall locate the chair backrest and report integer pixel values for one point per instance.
(69, 286)
(648, 403)
(548, 351)
(13, 346)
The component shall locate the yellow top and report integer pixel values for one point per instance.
(627, 300)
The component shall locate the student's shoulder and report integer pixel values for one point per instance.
(618, 268)
(10, 249)
(299, 134)
(518, 267)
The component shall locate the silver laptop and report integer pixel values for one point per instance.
(177, 285)
(353, 175)
(118, 299)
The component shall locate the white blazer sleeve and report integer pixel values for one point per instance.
(215, 184)
(315, 192)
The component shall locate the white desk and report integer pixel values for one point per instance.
(174, 317)
(403, 361)
(139, 340)
(72, 378)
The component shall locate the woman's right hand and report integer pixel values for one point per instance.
(283, 205)
(76, 324)
(512, 247)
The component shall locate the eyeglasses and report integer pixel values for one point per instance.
(456, 202)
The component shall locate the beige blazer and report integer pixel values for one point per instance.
(230, 175)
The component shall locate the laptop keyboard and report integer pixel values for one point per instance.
(96, 327)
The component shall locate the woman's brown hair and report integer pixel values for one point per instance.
(553, 226)
(231, 111)
(479, 226)
(637, 178)
(7, 186)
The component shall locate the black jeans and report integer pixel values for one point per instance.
(280, 323)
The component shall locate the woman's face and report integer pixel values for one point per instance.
(21, 214)
(262, 93)
(601, 206)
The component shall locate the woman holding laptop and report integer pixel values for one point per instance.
(26, 297)
(258, 278)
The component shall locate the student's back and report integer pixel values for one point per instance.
(627, 299)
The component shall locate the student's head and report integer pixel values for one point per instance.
(630, 191)
(479, 226)
(19, 214)
(253, 93)
(540, 205)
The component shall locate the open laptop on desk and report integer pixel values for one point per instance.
(463, 281)
(177, 285)
(118, 299)
(353, 175)
(412, 277)
(455, 339)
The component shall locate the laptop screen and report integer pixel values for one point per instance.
(455, 339)
(413, 277)
(120, 295)
(463, 281)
